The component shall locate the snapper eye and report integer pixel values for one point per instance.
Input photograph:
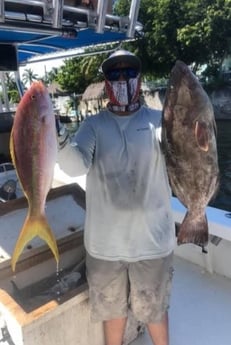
(33, 97)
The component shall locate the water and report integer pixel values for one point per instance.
(72, 126)
(223, 198)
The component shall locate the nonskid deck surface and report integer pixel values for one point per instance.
(200, 311)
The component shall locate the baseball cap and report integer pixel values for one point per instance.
(118, 56)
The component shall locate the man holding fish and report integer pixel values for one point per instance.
(129, 229)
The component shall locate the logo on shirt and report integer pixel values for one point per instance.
(143, 129)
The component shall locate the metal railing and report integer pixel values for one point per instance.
(50, 15)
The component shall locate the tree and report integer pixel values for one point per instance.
(195, 31)
(205, 35)
(158, 47)
(29, 76)
(77, 73)
(12, 90)
(50, 76)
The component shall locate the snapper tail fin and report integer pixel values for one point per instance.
(194, 229)
(34, 226)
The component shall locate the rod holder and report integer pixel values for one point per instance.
(133, 16)
(2, 11)
(4, 91)
(18, 83)
(57, 13)
(101, 15)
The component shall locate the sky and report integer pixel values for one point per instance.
(40, 68)
(45, 66)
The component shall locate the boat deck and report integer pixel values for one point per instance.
(200, 311)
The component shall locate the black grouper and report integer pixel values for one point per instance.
(189, 144)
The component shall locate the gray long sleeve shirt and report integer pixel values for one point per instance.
(128, 214)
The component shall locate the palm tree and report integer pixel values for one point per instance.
(11, 86)
(29, 76)
(52, 74)
(89, 65)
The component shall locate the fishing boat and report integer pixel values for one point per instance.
(42, 305)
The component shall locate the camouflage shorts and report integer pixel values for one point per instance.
(116, 286)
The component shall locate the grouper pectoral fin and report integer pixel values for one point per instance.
(34, 226)
(201, 135)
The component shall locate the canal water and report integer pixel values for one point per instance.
(223, 198)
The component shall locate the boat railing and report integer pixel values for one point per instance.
(60, 16)
(219, 236)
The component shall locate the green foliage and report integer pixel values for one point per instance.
(29, 76)
(206, 32)
(13, 96)
(158, 48)
(50, 76)
(195, 31)
(77, 73)
(12, 90)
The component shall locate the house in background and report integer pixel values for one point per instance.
(59, 98)
(93, 99)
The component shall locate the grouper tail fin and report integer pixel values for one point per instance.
(194, 229)
(34, 226)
